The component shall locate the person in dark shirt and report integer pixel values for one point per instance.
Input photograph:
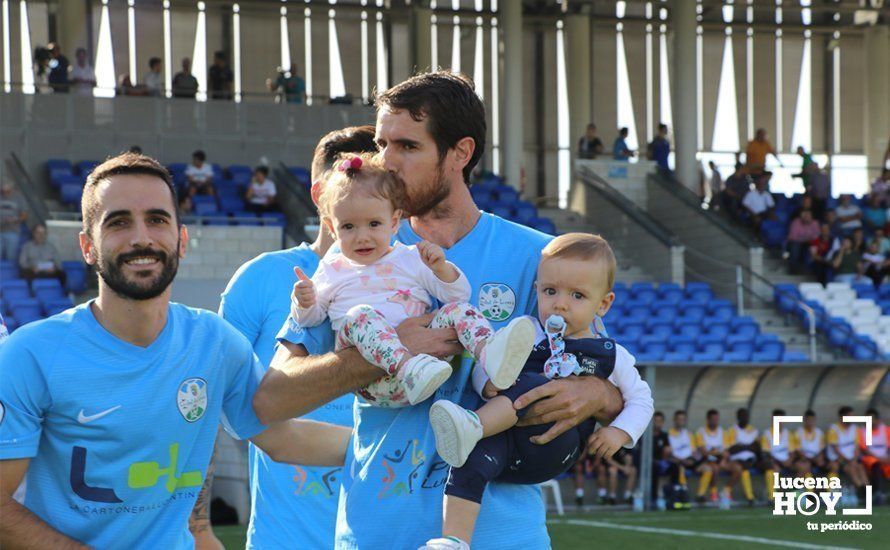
(735, 188)
(660, 445)
(58, 69)
(220, 77)
(184, 82)
(589, 146)
(660, 148)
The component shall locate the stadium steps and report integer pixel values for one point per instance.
(567, 221)
(791, 334)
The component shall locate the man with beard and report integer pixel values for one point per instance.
(431, 134)
(288, 505)
(110, 409)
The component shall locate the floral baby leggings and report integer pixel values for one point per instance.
(377, 341)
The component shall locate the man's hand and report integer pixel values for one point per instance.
(415, 334)
(206, 540)
(567, 402)
(304, 289)
(605, 442)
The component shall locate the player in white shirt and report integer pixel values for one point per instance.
(843, 451)
(776, 458)
(683, 450)
(809, 444)
(743, 447)
(710, 442)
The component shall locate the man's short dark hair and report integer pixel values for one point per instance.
(154, 61)
(623, 131)
(679, 412)
(355, 139)
(872, 412)
(123, 164)
(711, 412)
(778, 412)
(810, 412)
(262, 169)
(199, 155)
(845, 410)
(450, 106)
(662, 126)
(219, 55)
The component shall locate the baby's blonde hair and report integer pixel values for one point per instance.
(585, 247)
(371, 177)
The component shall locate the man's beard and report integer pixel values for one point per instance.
(113, 275)
(431, 195)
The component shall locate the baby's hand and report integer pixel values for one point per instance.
(605, 442)
(489, 390)
(432, 255)
(304, 290)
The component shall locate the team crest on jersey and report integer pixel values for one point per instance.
(191, 398)
(497, 301)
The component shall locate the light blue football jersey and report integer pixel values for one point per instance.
(120, 436)
(393, 487)
(290, 505)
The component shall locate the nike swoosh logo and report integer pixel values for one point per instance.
(84, 419)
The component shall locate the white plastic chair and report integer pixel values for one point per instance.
(845, 294)
(810, 287)
(835, 286)
(553, 485)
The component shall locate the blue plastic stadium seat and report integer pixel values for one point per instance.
(691, 311)
(27, 313)
(684, 356)
(690, 329)
(177, 167)
(274, 218)
(644, 295)
(773, 232)
(71, 194)
(699, 292)
(231, 204)
(649, 357)
(84, 167)
(795, 357)
(480, 193)
(544, 225)
(45, 283)
(11, 323)
(633, 332)
(501, 209)
(239, 169)
(506, 193)
(302, 174)
(53, 307)
(62, 164)
(49, 293)
(75, 276)
(205, 208)
(741, 356)
(769, 356)
(663, 313)
(660, 329)
(525, 212)
(218, 221)
(637, 314)
(651, 339)
(11, 294)
(707, 356)
(654, 348)
(682, 343)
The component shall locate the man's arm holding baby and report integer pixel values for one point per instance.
(297, 382)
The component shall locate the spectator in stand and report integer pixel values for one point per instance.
(58, 69)
(41, 70)
(804, 229)
(126, 87)
(756, 152)
(759, 202)
(184, 83)
(619, 148)
(883, 242)
(820, 190)
(874, 215)
(12, 216)
(822, 251)
(834, 223)
(858, 238)
(874, 265)
(806, 203)
(199, 175)
(589, 146)
(220, 78)
(715, 186)
(39, 258)
(737, 186)
(289, 84)
(261, 192)
(880, 188)
(83, 77)
(807, 166)
(846, 262)
(153, 82)
(848, 214)
(660, 148)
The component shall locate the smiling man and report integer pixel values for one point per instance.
(431, 134)
(110, 409)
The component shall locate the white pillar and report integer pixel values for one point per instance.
(877, 107)
(684, 74)
(580, 91)
(511, 22)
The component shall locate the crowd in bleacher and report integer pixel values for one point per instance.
(723, 458)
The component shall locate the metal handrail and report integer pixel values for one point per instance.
(683, 193)
(37, 206)
(628, 207)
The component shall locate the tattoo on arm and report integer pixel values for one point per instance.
(200, 519)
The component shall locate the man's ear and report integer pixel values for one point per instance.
(462, 152)
(183, 240)
(87, 248)
(315, 190)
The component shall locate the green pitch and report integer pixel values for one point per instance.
(739, 528)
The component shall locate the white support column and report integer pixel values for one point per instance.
(877, 108)
(580, 90)
(511, 22)
(685, 111)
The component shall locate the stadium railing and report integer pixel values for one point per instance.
(629, 228)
